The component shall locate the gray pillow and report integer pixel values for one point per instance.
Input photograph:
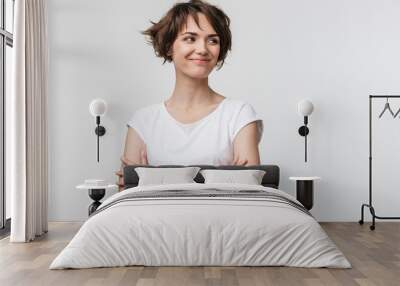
(163, 176)
(249, 177)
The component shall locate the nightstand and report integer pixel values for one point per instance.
(96, 193)
(305, 190)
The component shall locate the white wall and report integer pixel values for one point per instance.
(335, 53)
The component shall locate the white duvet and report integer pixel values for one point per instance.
(200, 231)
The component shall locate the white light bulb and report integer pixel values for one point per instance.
(98, 107)
(305, 107)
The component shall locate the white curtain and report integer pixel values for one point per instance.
(27, 122)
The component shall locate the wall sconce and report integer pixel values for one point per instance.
(305, 108)
(98, 107)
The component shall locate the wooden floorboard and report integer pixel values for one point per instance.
(374, 255)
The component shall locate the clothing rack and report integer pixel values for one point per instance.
(369, 205)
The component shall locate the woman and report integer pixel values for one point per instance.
(195, 125)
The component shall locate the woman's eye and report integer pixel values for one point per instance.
(189, 39)
(214, 41)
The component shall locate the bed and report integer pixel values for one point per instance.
(201, 224)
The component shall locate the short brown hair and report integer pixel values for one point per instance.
(163, 33)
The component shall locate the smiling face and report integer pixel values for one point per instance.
(196, 49)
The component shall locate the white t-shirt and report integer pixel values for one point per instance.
(207, 141)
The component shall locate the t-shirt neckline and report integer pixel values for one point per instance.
(197, 121)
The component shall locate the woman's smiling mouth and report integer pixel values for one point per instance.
(200, 61)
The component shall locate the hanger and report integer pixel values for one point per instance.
(398, 111)
(387, 107)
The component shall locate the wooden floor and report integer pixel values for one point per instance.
(374, 255)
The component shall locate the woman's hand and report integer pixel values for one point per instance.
(239, 162)
(126, 162)
(120, 180)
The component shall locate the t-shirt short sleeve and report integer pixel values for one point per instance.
(136, 122)
(245, 115)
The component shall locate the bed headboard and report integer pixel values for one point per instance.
(270, 179)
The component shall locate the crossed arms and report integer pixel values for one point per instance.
(245, 150)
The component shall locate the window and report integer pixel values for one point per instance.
(6, 45)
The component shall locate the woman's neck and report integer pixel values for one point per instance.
(190, 93)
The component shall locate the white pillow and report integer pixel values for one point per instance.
(163, 176)
(249, 177)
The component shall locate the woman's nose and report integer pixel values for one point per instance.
(201, 48)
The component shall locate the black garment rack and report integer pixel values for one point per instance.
(369, 205)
